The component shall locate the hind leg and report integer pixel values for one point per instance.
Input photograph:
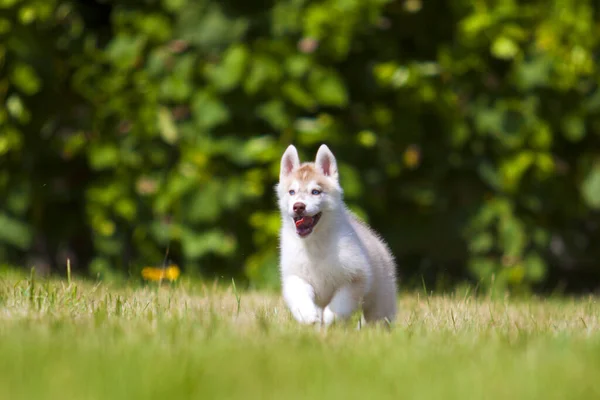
(381, 306)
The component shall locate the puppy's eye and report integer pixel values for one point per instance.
(316, 192)
(292, 192)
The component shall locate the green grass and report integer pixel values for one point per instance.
(86, 341)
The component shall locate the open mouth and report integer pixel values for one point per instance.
(306, 224)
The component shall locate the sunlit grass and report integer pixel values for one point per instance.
(88, 340)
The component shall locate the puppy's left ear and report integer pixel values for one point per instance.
(325, 161)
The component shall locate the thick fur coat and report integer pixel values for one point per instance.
(332, 264)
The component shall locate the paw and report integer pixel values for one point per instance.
(329, 316)
(307, 315)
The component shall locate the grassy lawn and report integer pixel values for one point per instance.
(87, 341)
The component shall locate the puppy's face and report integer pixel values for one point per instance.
(308, 191)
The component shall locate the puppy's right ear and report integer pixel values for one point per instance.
(289, 162)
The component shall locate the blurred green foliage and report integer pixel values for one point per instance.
(467, 131)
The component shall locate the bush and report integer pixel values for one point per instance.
(135, 131)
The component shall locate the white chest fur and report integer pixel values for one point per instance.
(326, 262)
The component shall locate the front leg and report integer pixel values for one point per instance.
(346, 300)
(299, 296)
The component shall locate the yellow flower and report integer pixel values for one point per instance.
(171, 273)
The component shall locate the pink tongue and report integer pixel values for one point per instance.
(304, 221)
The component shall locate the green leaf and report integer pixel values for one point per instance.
(297, 95)
(488, 119)
(590, 187)
(475, 24)
(366, 138)
(514, 168)
(297, 65)
(258, 148)
(174, 5)
(328, 88)
(209, 28)
(512, 236)
(155, 26)
(535, 267)
(108, 245)
(10, 139)
(208, 111)
(514, 274)
(541, 237)
(101, 267)
(350, 181)
(489, 174)
(275, 114)
(204, 204)
(18, 200)
(178, 85)
(196, 245)
(124, 50)
(103, 156)
(574, 128)
(167, 127)
(542, 137)
(164, 232)
(17, 109)
(15, 232)
(545, 164)
(25, 79)
(482, 267)
(126, 208)
(27, 15)
(263, 73)
(534, 73)
(8, 3)
(481, 243)
(504, 48)
(227, 75)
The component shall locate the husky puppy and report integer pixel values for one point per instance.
(332, 264)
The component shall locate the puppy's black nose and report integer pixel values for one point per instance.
(299, 208)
